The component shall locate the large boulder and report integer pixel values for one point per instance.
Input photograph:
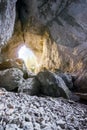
(81, 71)
(31, 86)
(11, 79)
(81, 82)
(67, 78)
(15, 63)
(66, 20)
(53, 85)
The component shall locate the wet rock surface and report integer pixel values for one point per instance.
(23, 112)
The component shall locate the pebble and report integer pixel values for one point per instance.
(24, 112)
(61, 123)
(11, 127)
(28, 126)
(1, 127)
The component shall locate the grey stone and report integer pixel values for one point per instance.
(81, 81)
(11, 79)
(1, 127)
(12, 127)
(53, 85)
(28, 126)
(43, 112)
(7, 19)
(67, 79)
(37, 126)
(61, 123)
(15, 63)
(30, 86)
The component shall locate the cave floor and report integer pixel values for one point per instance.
(24, 112)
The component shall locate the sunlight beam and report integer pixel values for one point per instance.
(28, 56)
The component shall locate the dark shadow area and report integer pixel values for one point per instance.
(22, 10)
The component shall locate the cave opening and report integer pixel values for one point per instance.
(29, 58)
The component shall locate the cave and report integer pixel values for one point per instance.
(43, 64)
(36, 36)
(31, 37)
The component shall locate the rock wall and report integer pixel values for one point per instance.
(52, 29)
(7, 19)
(65, 19)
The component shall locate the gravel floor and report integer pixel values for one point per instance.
(23, 112)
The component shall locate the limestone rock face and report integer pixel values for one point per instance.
(11, 79)
(40, 23)
(7, 19)
(66, 20)
(56, 56)
(15, 63)
(53, 85)
(69, 26)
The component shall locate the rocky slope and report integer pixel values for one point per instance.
(23, 112)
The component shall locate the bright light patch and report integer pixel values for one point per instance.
(28, 56)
